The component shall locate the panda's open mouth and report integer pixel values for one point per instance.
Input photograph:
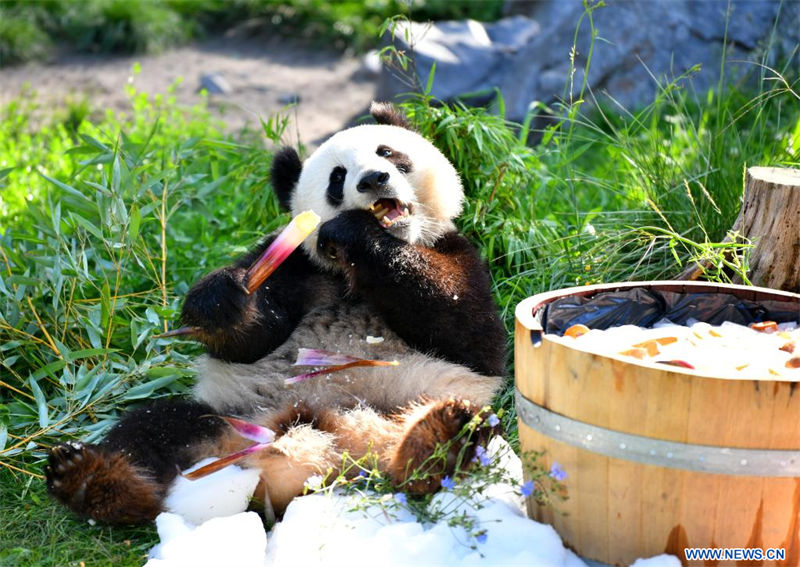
(389, 211)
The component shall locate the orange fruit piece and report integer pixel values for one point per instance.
(651, 347)
(639, 353)
(576, 331)
(765, 326)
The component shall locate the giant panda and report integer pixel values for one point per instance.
(387, 262)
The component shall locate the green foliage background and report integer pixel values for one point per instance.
(29, 30)
(106, 219)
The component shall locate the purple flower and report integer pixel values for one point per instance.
(527, 488)
(493, 420)
(448, 483)
(482, 536)
(400, 498)
(557, 473)
(482, 456)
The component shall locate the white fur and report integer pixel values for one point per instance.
(432, 187)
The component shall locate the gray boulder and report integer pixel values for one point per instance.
(471, 58)
(639, 44)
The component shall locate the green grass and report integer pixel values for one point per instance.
(107, 218)
(36, 532)
(30, 29)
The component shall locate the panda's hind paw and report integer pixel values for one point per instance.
(435, 446)
(102, 485)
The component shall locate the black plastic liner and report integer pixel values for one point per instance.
(643, 307)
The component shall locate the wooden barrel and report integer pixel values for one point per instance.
(659, 459)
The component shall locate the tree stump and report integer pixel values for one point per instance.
(770, 220)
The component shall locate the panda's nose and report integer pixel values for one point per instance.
(373, 181)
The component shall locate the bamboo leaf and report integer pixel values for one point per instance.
(148, 388)
(133, 226)
(90, 228)
(41, 402)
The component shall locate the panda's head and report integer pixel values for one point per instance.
(386, 168)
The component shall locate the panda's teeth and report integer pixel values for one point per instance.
(380, 213)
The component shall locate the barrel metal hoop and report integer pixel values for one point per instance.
(670, 454)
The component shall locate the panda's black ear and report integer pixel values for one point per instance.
(285, 172)
(387, 113)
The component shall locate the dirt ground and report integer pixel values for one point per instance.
(263, 76)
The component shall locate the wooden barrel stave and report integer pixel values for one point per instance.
(620, 510)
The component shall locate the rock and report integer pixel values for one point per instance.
(289, 98)
(215, 84)
(639, 44)
(471, 57)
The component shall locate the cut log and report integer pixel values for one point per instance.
(770, 221)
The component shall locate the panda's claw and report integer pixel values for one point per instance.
(101, 485)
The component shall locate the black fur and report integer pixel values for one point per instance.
(159, 437)
(243, 328)
(387, 113)
(335, 191)
(400, 160)
(285, 172)
(398, 279)
(402, 282)
(125, 478)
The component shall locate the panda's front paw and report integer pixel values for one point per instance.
(348, 233)
(218, 303)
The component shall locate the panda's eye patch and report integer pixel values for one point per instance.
(338, 174)
(335, 192)
(400, 160)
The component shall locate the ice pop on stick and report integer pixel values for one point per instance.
(290, 238)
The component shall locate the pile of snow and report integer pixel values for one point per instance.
(730, 350)
(330, 529)
(237, 540)
(224, 493)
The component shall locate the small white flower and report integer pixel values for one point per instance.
(314, 482)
